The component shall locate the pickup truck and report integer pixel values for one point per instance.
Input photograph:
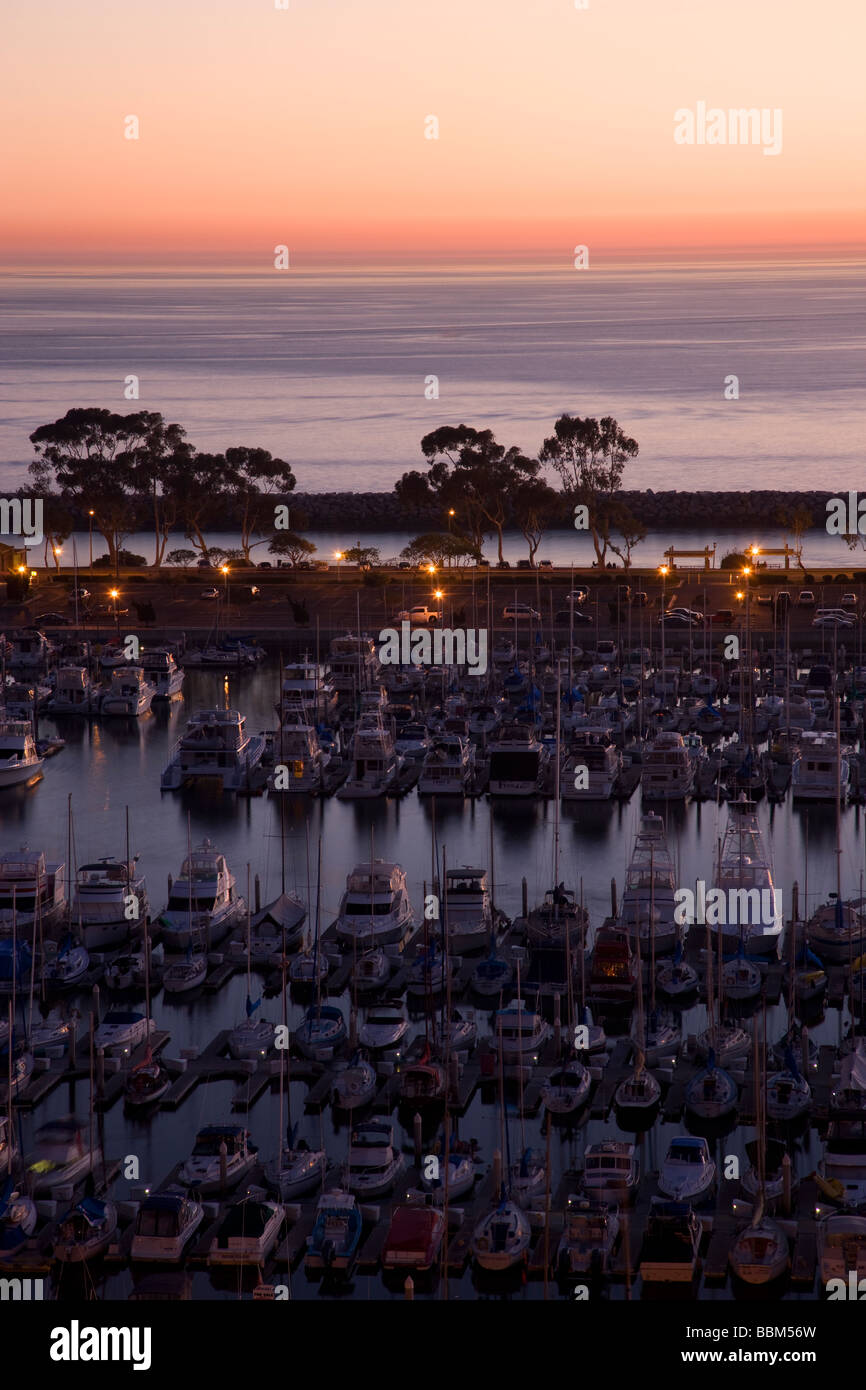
(419, 614)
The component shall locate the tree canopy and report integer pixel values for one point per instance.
(589, 456)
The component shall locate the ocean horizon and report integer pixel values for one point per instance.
(329, 369)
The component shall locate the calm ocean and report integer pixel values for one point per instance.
(329, 369)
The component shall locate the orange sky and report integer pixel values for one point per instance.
(260, 126)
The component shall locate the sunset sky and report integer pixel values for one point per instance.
(260, 126)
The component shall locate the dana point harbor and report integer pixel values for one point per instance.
(432, 681)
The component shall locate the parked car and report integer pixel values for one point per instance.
(723, 615)
(783, 599)
(578, 595)
(805, 599)
(565, 617)
(405, 565)
(678, 620)
(690, 613)
(264, 565)
(525, 565)
(210, 593)
(52, 620)
(483, 564)
(545, 564)
(765, 600)
(204, 565)
(848, 600)
(419, 614)
(836, 620)
(85, 593)
(639, 599)
(503, 564)
(520, 610)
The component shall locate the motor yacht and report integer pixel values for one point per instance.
(247, 1233)
(649, 900)
(591, 767)
(385, 1026)
(20, 762)
(31, 887)
(101, 902)
(669, 1253)
(375, 908)
(203, 905)
(215, 748)
(376, 766)
(129, 693)
(688, 1173)
(336, 1235)
(209, 1170)
(668, 771)
(164, 1225)
(588, 1238)
(518, 762)
(163, 673)
(75, 692)
(611, 1169)
(373, 1164)
(820, 772)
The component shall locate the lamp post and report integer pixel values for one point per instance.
(91, 539)
(224, 570)
(663, 571)
(747, 571)
(114, 595)
(338, 555)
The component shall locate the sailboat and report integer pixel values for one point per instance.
(637, 1097)
(502, 1236)
(789, 1096)
(323, 1029)
(86, 1231)
(253, 1037)
(355, 1085)
(759, 1253)
(297, 1168)
(149, 1080)
(18, 1216)
(712, 1093)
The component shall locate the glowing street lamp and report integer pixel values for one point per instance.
(114, 595)
(224, 570)
(663, 571)
(431, 569)
(338, 555)
(91, 539)
(438, 593)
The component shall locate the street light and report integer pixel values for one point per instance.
(224, 570)
(663, 571)
(338, 555)
(91, 539)
(114, 595)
